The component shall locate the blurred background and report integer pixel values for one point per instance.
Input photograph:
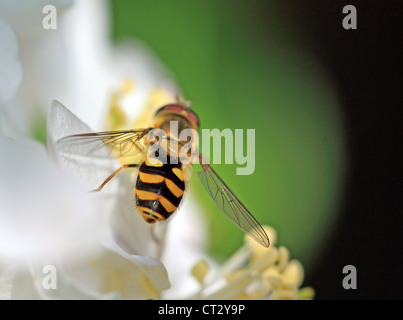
(323, 110)
(322, 100)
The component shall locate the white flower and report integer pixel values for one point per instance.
(26, 172)
(10, 71)
(99, 247)
(40, 53)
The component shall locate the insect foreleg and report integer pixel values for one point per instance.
(114, 174)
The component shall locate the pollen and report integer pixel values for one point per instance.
(200, 270)
(127, 86)
(116, 117)
(252, 273)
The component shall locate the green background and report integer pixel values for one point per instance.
(245, 65)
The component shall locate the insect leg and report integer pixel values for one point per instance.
(114, 174)
(204, 162)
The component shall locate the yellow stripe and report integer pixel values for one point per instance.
(173, 188)
(155, 162)
(178, 172)
(150, 178)
(169, 207)
(146, 195)
(144, 210)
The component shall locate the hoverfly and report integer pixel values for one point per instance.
(160, 185)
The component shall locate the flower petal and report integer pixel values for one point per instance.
(10, 66)
(129, 229)
(185, 245)
(152, 82)
(43, 210)
(26, 16)
(116, 272)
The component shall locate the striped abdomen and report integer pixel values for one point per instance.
(159, 190)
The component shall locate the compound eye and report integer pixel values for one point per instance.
(193, 117)
(180, 109)
(171, 107)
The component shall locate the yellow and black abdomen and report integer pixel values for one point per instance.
(159, 190)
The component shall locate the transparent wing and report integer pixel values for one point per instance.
(231, 206)
(108, 144)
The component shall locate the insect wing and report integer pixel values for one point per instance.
(231, 206)
(108, 144)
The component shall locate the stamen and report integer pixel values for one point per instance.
(200, 270)
(254, 272)
(116, 117)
